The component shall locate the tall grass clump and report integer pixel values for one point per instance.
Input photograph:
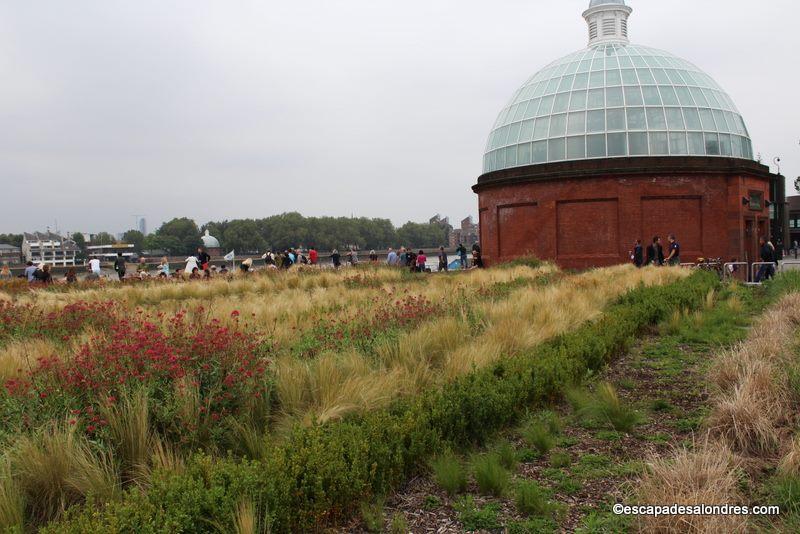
(55, 469)
(506, 454)
(706, 475)
(531, 499)
(12, 503)
(449, 473)
(129, 431)
(605, 406)
(372, 515)
(490, 475)
(538, 435)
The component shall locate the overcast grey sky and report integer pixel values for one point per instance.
(244, 108)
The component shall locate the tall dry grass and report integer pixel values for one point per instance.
(753, 400)
(334, 385)
(20, 357)
(55, 469)
(706, 475)
(12, 501)
(129, 432)
(752, 408)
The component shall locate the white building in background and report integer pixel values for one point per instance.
(49, 248)
(108, 253)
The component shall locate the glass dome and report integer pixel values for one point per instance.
(595, 3)
(616, 100)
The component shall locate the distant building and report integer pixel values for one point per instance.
(794, 220)
(49, 248)
(143, 226)
(9, 254)
(109, 252)
(437, 219)
(467, 235)
(211, 244)
(619, 142)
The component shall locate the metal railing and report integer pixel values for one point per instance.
(787, 263)
(731, 268)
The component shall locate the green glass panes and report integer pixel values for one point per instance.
(616, 100)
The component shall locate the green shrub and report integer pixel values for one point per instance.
(449, 473)
(473, 518)
(531, 499)
(491, 476)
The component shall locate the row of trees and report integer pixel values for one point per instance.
(182, 235)
(324, 233)
(14, 240)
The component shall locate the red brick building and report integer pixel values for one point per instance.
(616, 143)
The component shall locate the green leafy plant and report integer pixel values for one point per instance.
(474, 518)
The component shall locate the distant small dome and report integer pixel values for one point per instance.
(209, 241)
(595, 3)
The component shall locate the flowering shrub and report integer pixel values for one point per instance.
(195, 374)
(22, 320)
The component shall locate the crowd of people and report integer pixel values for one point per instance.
(199, 265)
(654, 255)
(655, 252)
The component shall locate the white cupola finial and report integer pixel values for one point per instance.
(608, 21)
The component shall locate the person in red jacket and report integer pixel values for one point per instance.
(313, 257)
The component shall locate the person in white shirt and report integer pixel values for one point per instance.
(94, 266)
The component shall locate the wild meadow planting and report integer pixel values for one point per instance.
(288, 401)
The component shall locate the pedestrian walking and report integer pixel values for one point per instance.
(391, 258)
(674, 257)
(637, 255)
(421, 261)
(119, 265)
(767, 254)
(336, 259)
(655, 253)
(462, 255)
(442, 260)
(313, 255)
